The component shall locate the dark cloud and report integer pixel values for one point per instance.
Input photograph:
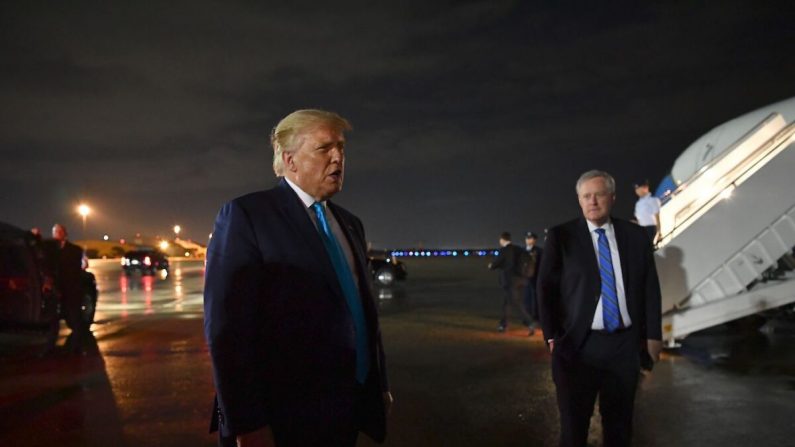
(470, 117)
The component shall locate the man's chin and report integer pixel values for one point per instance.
(596, 217)
(328, 193)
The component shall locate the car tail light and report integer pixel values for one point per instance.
(17, 283)
(147, 261)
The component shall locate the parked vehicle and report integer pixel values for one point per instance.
(26, 301)
(29, 299)
(147, 261)
(385, 270)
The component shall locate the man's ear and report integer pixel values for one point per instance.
(287, 159)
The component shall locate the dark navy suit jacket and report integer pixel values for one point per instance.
(569, 285)
(277, 324)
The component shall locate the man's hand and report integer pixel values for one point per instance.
(551, 344)
(654, 347)
(388, 401)
(259, 438)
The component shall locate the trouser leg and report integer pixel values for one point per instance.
(616, 357)
(73, 317)
(651, 231)
(576, 387)
(506, 303)
(530, 302)
(327, 422)
(616, 405)
(517, 295)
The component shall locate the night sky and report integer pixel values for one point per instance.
(469, 118)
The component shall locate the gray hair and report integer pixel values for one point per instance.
(595, 173)
(283, 136)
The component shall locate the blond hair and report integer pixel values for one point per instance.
(283, 136)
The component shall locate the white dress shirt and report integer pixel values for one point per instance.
(645, 209)
(308, 201)
(598, 322)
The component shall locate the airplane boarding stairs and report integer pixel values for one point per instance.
(725, 229)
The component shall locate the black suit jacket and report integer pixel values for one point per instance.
(538, 252)
(276, 320)
(507, 262)
(569, 284)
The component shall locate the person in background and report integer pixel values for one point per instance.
(508, 261)
(530, 262)
(66, 265)
(647, 210)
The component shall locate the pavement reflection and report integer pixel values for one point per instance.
(166, 292)
(60, 399)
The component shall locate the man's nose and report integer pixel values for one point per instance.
(337, 154)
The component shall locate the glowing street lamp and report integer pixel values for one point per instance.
(177, 229)
(83, 210)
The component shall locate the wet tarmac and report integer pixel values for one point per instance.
(144, 377)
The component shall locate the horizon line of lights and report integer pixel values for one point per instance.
(441, 253)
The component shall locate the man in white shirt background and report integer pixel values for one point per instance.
(647, 210)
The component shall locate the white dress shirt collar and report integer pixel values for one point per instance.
(306, 198)
(308, 201)
(608, 226)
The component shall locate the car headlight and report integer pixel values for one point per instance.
(386, 277)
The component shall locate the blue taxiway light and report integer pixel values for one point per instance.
(440, 253)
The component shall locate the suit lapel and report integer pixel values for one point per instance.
(356, 244)
(591, 265)
(299, 219)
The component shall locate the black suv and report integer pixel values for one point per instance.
(147, 261)
(27, 297)
(386, 269)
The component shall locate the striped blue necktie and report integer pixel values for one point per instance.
(611, 315)
(350, 291)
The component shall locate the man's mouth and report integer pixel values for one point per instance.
(336, 175)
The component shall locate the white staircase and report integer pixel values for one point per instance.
(734, 219)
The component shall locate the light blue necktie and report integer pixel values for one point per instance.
(350, 291)
(611, 315)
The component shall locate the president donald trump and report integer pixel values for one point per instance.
(290, 318)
